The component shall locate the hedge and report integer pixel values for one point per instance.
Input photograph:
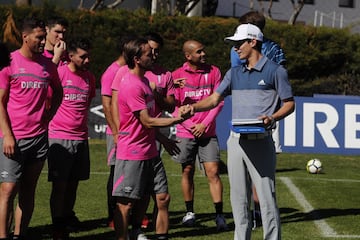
(319, 60)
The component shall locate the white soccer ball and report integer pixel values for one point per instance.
(314, 166)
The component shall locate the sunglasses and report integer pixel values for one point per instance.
(238, 44)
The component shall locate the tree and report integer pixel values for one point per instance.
(297, 9)
(11, 34)
(19, 3)
(183, 7)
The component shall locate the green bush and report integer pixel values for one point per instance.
(319, 60)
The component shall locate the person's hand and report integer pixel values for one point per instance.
(152, 86)
(59, 49)
(268, 121)
(171, 146)
(198, 130)
(9, 145)
(115, 137)
(185, 111)
(179, 82)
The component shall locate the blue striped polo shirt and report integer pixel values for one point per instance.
(257, 91)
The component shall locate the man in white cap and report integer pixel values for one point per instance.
(256, 87)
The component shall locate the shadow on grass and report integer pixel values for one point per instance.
(288, 170)
(295, 215)
(97, 229)
(201, 228)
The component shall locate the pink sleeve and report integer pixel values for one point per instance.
(4, 78)
(107, 79)
(212, 114)
(106, 82)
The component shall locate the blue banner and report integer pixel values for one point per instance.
(320, 124)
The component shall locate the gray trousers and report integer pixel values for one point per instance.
(253, 162)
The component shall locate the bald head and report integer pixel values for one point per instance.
(194, 53)
(190, 45)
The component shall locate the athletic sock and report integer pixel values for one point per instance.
(218, 207)
(189, 206)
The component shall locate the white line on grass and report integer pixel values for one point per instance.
(330, 180)
(325, 229)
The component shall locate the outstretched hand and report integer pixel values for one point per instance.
(186, 111)
(170, 146)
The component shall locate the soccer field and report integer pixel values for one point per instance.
(312, 206)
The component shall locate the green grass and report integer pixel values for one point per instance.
(334, 194)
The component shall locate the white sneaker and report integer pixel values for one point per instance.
(189, 219)
(137, 234)
(142, 236)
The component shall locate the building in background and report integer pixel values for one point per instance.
(330, 13)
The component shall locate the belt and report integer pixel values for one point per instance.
(251, 136)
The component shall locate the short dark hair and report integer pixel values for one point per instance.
(154, 37)
(133, 49)
(4, 56)
(51, 22)
(31, 23)
(82, 43)
(253, 17)
(123, 40)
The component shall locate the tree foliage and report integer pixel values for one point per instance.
(319, 60)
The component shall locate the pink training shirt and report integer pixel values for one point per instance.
(28, 82)
(134, 95)
(199, 84)
(163, 82)
(64, 59)
(106, 81)
(70, 120)
(123, 70)
(159, 75)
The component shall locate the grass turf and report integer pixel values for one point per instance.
(334, 195)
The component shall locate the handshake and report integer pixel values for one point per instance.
(186, 111)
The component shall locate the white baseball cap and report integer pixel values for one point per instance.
(246, 31)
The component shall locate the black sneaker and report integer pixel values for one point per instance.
(73, 224)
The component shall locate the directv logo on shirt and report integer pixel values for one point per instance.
(198, 93)
(75, 97)
(34, 84)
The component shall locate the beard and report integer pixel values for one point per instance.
(146, 66)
